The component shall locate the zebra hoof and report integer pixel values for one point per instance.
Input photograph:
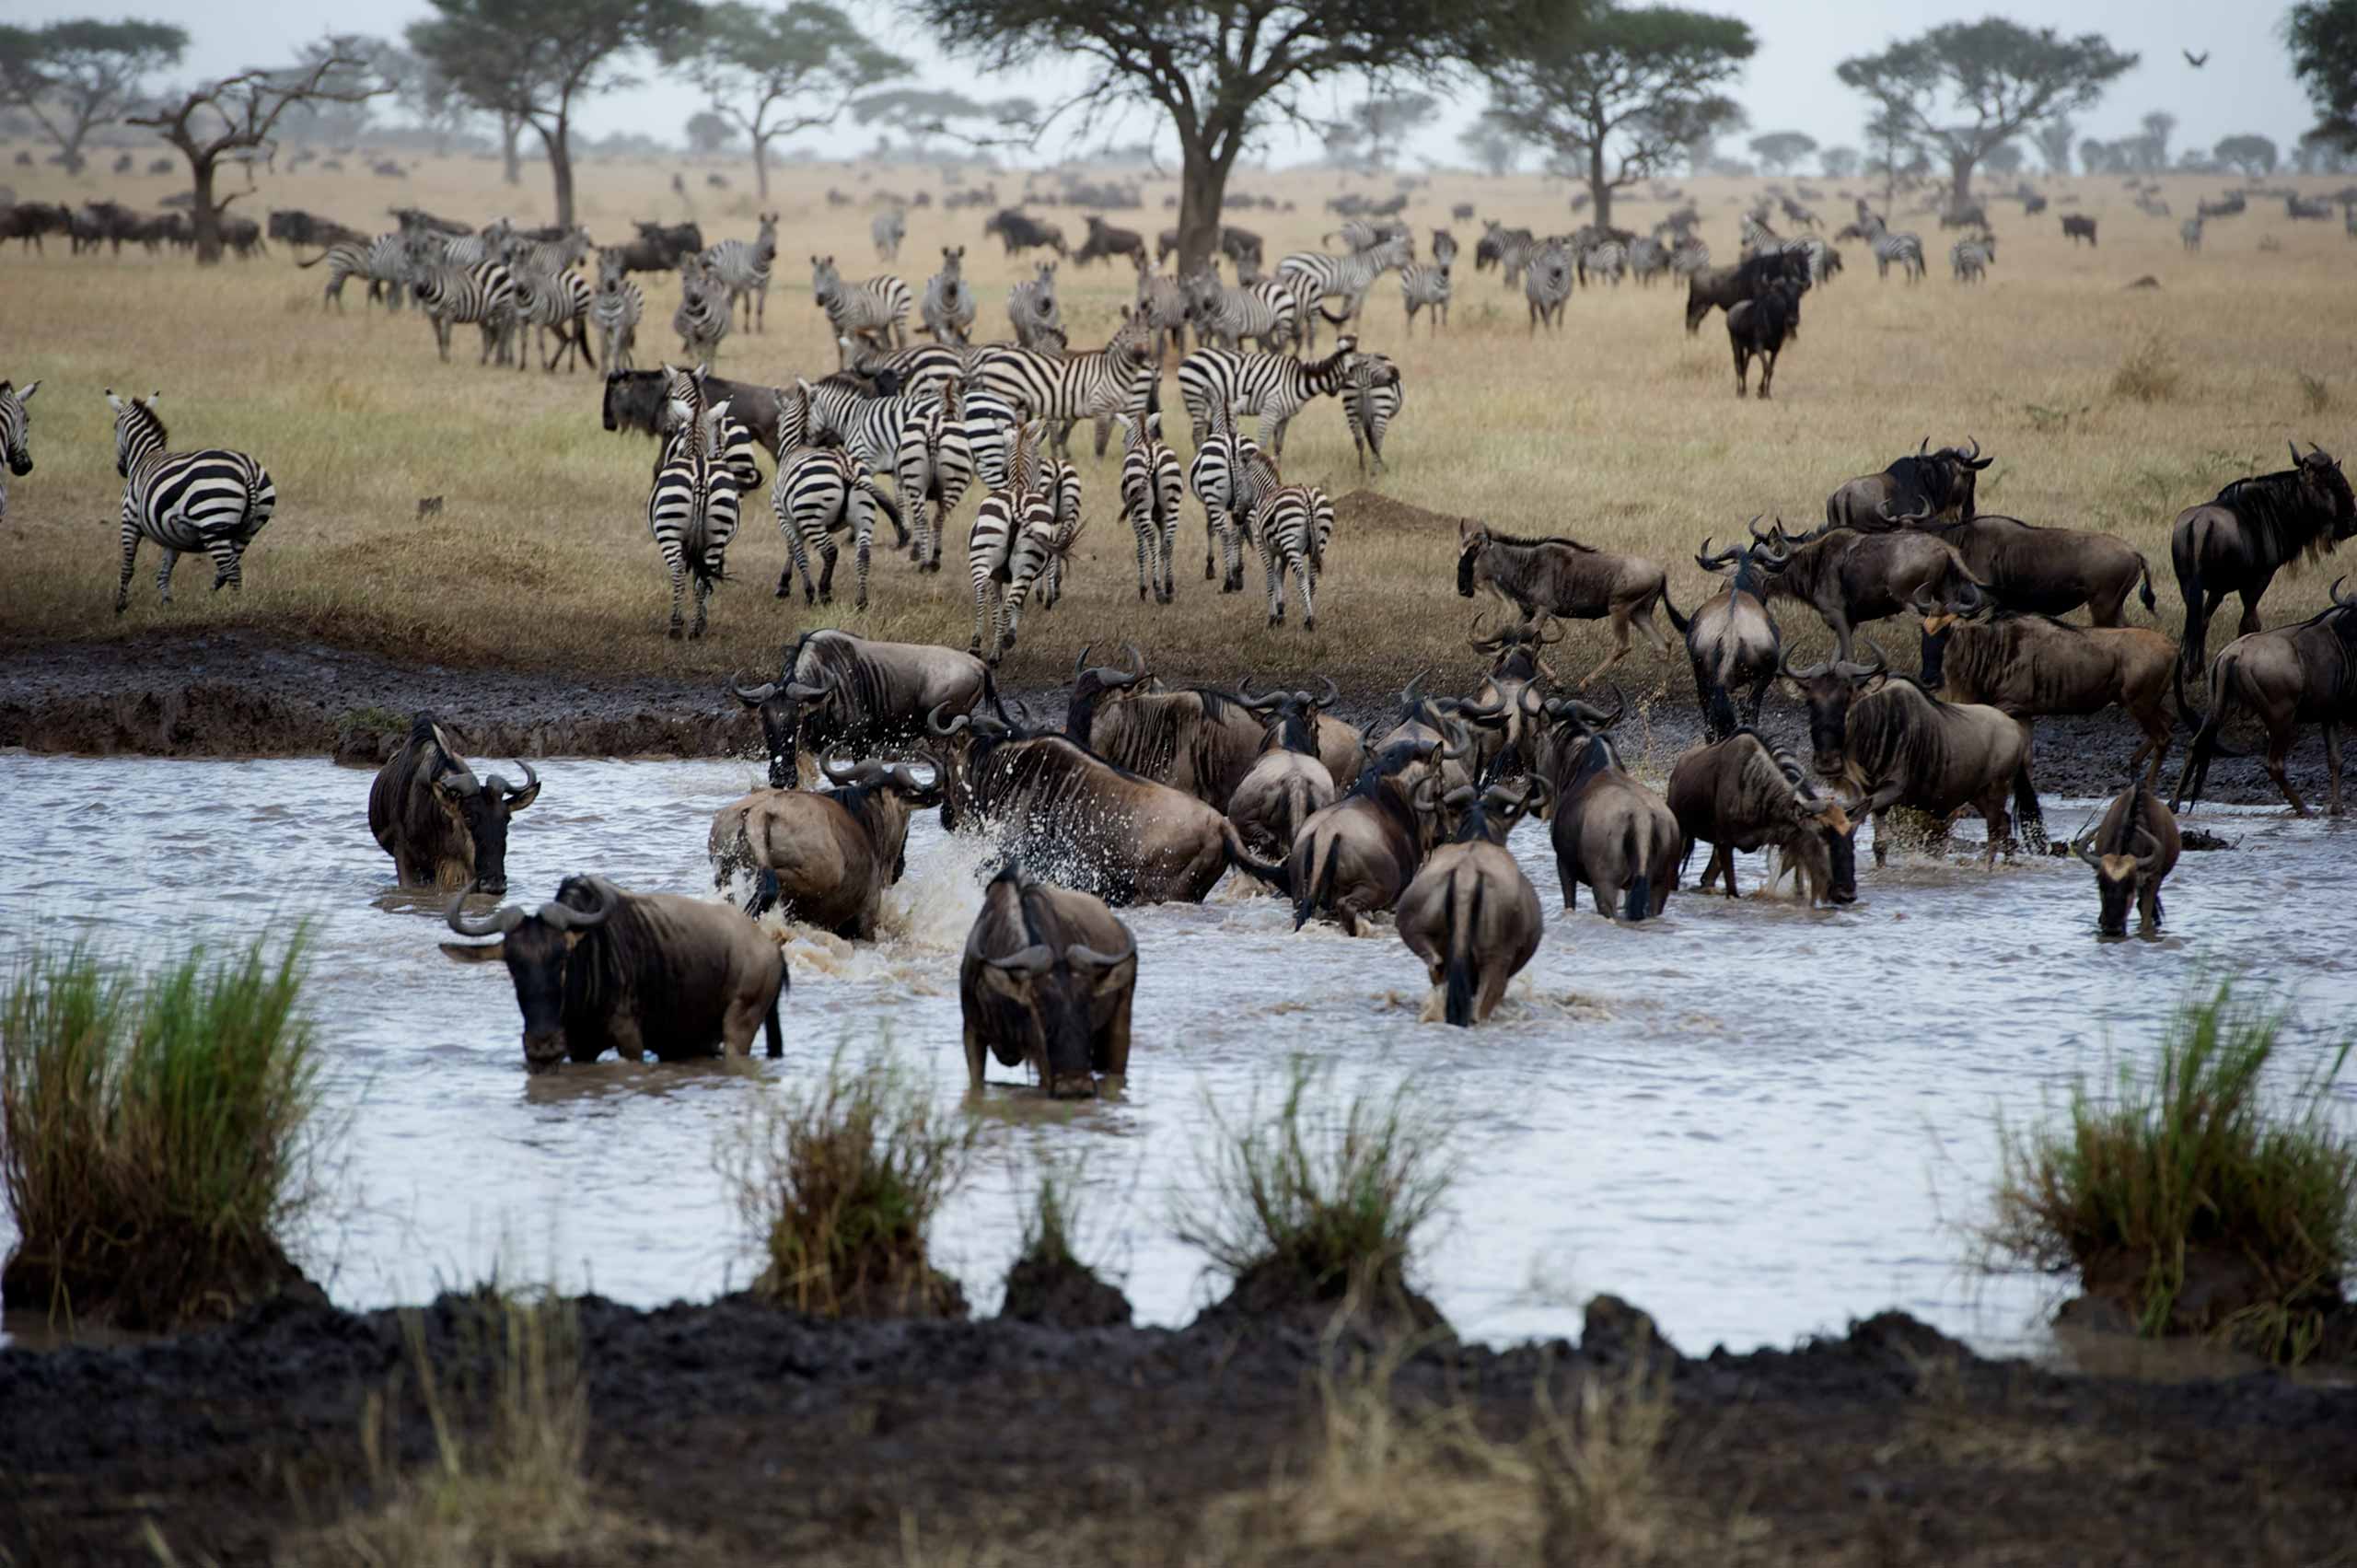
(1309, 623)
(675, 634)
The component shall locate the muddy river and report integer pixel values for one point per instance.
(1752, 1121)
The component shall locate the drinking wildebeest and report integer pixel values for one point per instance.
(1740, 794)
(1047, 982)
(1288, 781)
(1759, 326)
(2292, 676)
(1470, 914)
(1564, 578)
(1928, 485)
(825, 859)
(1612, 835)
(2254, 527)
(1850, 577)
(841, 693)
(2031, 666)
(1355, 857)
(2132, 850)
(444, 827)
(599, 968)
(1730, 637)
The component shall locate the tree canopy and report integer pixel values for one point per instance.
(2055, 139)
(1491, 144)
(1779, 151)
(1961, 88)
(1622, 97)
(2323, 36)
(922, 113)
(2253, 154)
(772, 73)
(73, 75)
(1838, 163)
(1380, 122)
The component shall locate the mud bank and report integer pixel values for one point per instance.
(732, 1432)
(240, 696)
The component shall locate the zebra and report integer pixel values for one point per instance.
(1607, 258)
(382, 261)
(691, 508)
(1907, 249)
(1265, 311)
(614, 310)
(1688, 257)
(1969, 259)
(1162, 300)
(16, 435)
(738, 442)
(1293, 526)
(1364, 234)
(821, 492)
(1008, 544)
(1370, 399)
(214, 501)
(1316, 276)
(1032, 307)
(948, 308)
(1214, 475)
(917, 371)
(1150, 485)
(559, 255)
(745, 268)
(1420, 286)
(473, 249)
(919, 441)
(1272, 386)
(1757, 236)
(1648, 260)
(1054, 550)
(706, 314)
(880, 305)
(1506, 249)
(2189, 231)
(887, 228)
(1546, 284)
(1096, 384)
(1822, 258)
(1443, 248)
(485, 295)
(558, 301)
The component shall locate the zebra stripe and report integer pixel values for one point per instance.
(1032, 308)
(1010, 541)
(737, 443)
(1292, 527)
(1906, 250)
(1228, 475)
(1094, 384)
(1371, 397)
(821, 492)
(1690, 257)
(15, 433)
(1757, 236)
(1317, 276)
(1444, 249)
(745, 268)
(692, 506)
(614, 310)
(214, 501)
(880, 305)
(921, 441)
(1969, 259)
(1506, 249)
(557, 301)
(948, 307)
(485, 295)
(559, 255)
(1063, 488)
(1266, 312)
(1272, 386)
(705, 316)
(1648, 259)
(1365, 234)
(886, 230)
(1150, 485)
(1547, 285)
(1421, 286)
(1161, 301)
(383, 262)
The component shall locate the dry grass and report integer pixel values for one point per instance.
(2149, 373)
(1622, 432)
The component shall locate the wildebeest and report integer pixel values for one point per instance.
(2047, 570)
(2252, 529)
(2132, 851)
(1045, 981)
(444, 827)
(1196, 739)
(1612, 835)
(1564, 578)
(1355, 857)
(1059, 808)
(1740, 794)
(842, 692)
(659, 249)
(1470, 914)
(296, 226)
(1288, 781)
(1019, 231)
(1760, 326)
(2030, 666)
(1919, 489)
(599, 968)
(1901, 746)
(1850, 577)
(635, 400)
(1517, 682)
(2076, 227)
(825, 859)
(2292, 676)
(1726, 287)
(1105, 240)
(1730, 637)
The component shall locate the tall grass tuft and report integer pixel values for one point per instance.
(2195, 1197)
(157, 1139)
(2149, 373)
(1318, 1203)
(838, 1186)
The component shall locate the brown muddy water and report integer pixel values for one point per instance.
(1756, 1120)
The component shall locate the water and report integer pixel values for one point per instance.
(1752, 1121)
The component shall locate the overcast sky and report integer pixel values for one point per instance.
(2246, 84)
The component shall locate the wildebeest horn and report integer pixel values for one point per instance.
(1034, 960)
(2295, 451)
(803, 691)
(564, 917)
(1548, 623)
(1477, 639)
(1090, 958)
(847, 772)
(1333, 693)
(1479, 713)
(1264, 702)
(1081, 662)
(1924, 446)
(2349, 602)
(2084, 846)
(933, 721)
(752, 696)
(1463, 747)
(1976, 460)
(1803, 675)
(499, 923)
(1459, 796)
(1538, 795)
(500, 785)
(1137, 660)
(1856, 671)
(2148, 848)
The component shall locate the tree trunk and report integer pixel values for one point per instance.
(1960, 179)
(762, 166)
(510, 128)
(559, 143)
(204, 218)
(1203, 189)
(1599, 189)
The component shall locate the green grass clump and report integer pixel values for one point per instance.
(838, 1186)
(2197, 1199)
(157, 1139)
(1319, 1202)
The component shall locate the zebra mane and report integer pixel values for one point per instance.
(138, 414)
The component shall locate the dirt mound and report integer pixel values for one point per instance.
(1364, 512)
(1065, 1295)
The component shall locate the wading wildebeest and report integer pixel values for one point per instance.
(1739, 794)
(2045, 571)
(1612, 835)
(1462, 729)
(1928, 485)
(1566, 579)
(1901, 746)
(1045, 981)
(2031, 666)
(1355, 857)
(600, 970)
(1059, 808)
(1850, 577)
(444, 827)
(2292, 676)
(1761, 327)
(2236, 542)
(1288, 781)
(1730, 638)
(1517, 683)
(1196, 739)
(2132, 851)
(839, 693)
(825, 859)
(1470, 914)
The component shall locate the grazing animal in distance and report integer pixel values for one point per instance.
(886, 230)
(1047, 982)
(2132, 851)
(1759, 327)
(213, 500)
(2293, 675)
(2250, 530)
(1470, 914)
(1741, 793)
(825, 859)
(428, 507)
(444, 827)
(1561, 577)
(2077, 226)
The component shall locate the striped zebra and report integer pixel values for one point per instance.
(886, 230)
(559, 255)
(1546, 284)
(383, 262)
(485, 295)
(1162, 300)
(821, 492)
(1266, 311)
(876, 309)
(214, 501)
(1007, 545)
(917, 371)
(1605, 259)
(705, 316)
(1032, 308)
(1151, 487)
(1227, 476)
(1906, 250)
(1420, 287)
(1648, 260)
(738, 442)
(16, 435)
(919, 441)
(1093, 384)
(947, 310)
(1371, 399)
(557, 302)
(1969, 259)
(1316, 276)
(1506, 249)
(615, 308)
(744, 267)
(2189, 231)
(691, 508)
(1757, 236)
(1688, 257)
(1055, 549)
(1272, 386)
(1293, 526)
(1365, 234)
(468, 251)
(1444, 249)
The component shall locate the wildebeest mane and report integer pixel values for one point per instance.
(1930, 478)
(603, 967)
(1522, 542)
(2270, 507)
(855, 689)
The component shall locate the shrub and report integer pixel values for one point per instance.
(2195, 1198)
(837, 1186)
(1048, 1283)
(159, 1139)
(2149, 374)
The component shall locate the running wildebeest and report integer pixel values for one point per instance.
(840, 692)
(1355, 857)
(2292, 676)
(1741, 793)
(2252, 529)
(1731, 637)
(598, 969)
(1047, 982)
(1928, 485)
(1564, 578)
(444, 827)
(2132, 851)
(1288, 782)
(825, 859)
(2030, 666)
(1470, 914)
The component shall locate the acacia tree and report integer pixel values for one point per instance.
(2055, 140)
(2323, 37)
(2251, 153)
(1491, 144)
(70, 76)
(238, 114)
(1622, 99)
(1383, 120)
(1839, 163)
(2159, 126)
(753, 63)
(2006, 159)
(922, 113)
(1963, 89)
(1221, 70)
(533, 61)
(1780, 151)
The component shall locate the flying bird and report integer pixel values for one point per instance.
(2196, 61)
